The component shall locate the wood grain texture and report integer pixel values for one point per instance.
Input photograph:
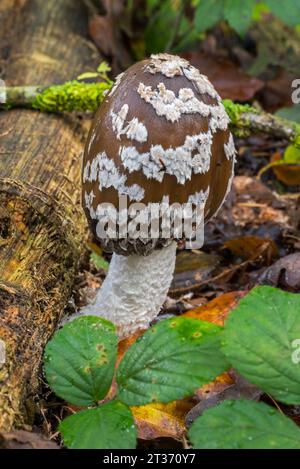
(41, 221)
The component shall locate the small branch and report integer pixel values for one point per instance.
(80, 96)
(70, 96)
(246, 120)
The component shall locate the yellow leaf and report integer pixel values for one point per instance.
(162, 420)
(221, 383)
(218, 309)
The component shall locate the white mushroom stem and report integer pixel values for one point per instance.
(134, 289)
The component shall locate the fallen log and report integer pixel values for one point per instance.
(41, 223)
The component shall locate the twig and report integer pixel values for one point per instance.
(197, 286)
(246, 120)
(275, 403)
(80, 96)
(70, 96)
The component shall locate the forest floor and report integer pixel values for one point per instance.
(254, 240)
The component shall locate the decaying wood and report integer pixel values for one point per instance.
(21, 439)
(41, 223)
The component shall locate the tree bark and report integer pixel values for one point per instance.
(41, 223)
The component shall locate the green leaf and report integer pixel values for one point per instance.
(98, 261)
(244, 425)
(291, 155)
(259, 10)
(103, 68)
(85, 75)
(110, 426)
(292, 113)
(160, 28)
(79, 360)
(170, 361)
(152, 4)
(239, 14)
(187, 39)
(259, 340)
(287, 10)
(208, 13)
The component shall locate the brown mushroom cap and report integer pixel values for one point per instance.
(160, 134)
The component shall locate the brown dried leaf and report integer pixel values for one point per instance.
(252, 248)
(101, 31)
(256, 204)
(248, 188)
(217, 386)
(228, 79)
(277, 91)
(289, 174)
(192, 267)
(108, 31)
(218, 391)
(285, 273)
(271, 214)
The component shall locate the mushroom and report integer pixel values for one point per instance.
(159, 138)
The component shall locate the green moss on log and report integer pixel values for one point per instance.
(71, 96)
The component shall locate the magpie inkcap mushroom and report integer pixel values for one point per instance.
(160, 140)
